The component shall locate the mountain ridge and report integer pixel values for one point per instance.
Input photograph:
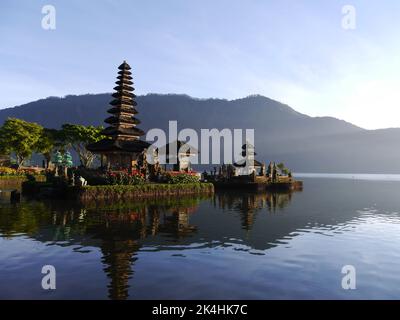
(304, 143)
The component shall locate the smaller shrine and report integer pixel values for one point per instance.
(249, 173)
(249, 165)
(180, 160)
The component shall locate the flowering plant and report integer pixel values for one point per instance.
(175, 177)
(6, 171)
(124, 177)
(177, 173)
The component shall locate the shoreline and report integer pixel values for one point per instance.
(351, 176)
(43, 190)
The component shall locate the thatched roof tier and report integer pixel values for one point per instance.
(122, 109)
(125, 73)
(111, 145)
(124, 66)
(114, 120)
(123, 94)
(116, 131)
(123, 101)
(123, 88)
(124, 81)
(124, 77)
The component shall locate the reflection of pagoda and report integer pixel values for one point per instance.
(118, 256)
(177, 224)
(122, 232)
(154, 217)
(119, 233)
(248, 209)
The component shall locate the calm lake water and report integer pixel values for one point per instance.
(228, 246)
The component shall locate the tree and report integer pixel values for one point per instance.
(58, 161)
(67, 161)
(47, 144)
(19, 137)
(283, 168)
(5, 160)
(78, 137)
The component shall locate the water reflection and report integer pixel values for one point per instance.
(230, 245)
(121, 230)
(118, 230)
(248, 204)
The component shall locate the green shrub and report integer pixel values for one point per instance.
(124, 178)
(180, 178)
(143, 190)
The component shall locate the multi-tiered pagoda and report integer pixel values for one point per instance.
(122, 148)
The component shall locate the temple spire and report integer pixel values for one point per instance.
(122, 147)
(122, 121)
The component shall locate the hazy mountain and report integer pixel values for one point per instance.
(306, 144)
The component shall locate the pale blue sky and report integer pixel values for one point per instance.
(293, 51)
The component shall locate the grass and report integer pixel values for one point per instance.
(20, 177)
(143, 190)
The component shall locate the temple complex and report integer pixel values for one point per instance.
(122, 147)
